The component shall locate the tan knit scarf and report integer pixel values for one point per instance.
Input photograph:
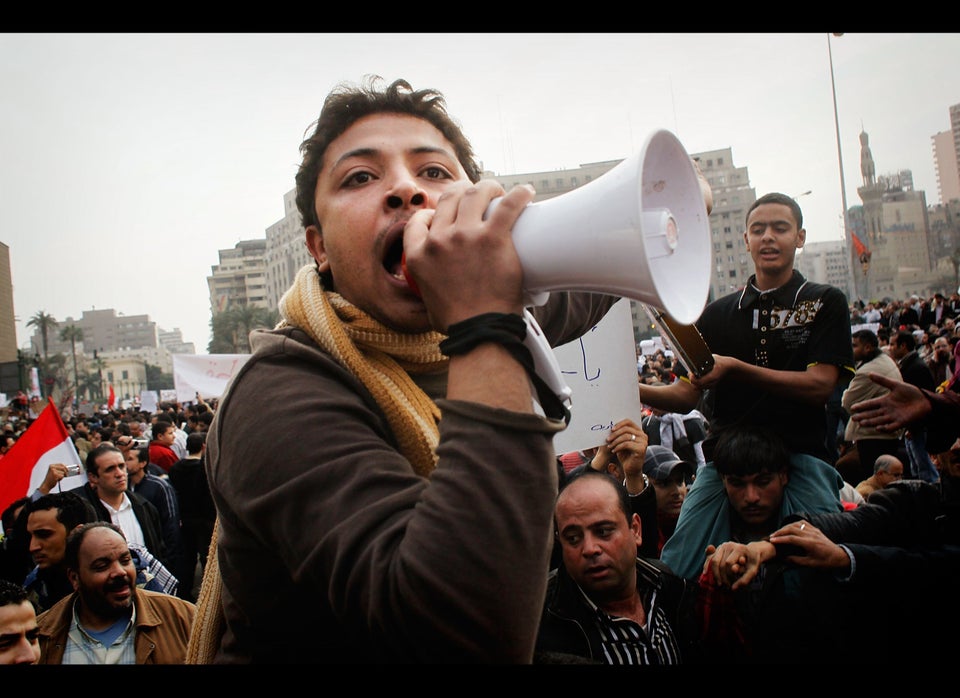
(382, 359)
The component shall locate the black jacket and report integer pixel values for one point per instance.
(146, 514)
(905, 540)
(915, 371)
(567, 635)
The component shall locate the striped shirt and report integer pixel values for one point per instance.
(625, 641)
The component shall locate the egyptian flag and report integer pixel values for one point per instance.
(25, 465)
(111, 398)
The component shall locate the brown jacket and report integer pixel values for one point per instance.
(332, 549)
(163, 628)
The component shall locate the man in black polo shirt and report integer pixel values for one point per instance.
(781, 344)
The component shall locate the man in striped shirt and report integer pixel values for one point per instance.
(604, 604)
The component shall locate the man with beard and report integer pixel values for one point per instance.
(107, 619)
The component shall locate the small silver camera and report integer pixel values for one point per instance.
(74, 470)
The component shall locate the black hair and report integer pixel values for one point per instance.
(906, 339)
(91, 462)
(778, 198)
(195, 441)
(748, 449)
(72, 509)
(867, 337)
(12, 594)
(348, 103)
(9, 516)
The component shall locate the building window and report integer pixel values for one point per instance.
(719, 162)
(559, 183)
(124, 375)
(733, 273)
(573, 182)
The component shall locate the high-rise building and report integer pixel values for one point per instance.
(946, 158)
(286, 251)
(105, 330)
(732, 197)
(9, 365)
(117, 347)
(825, 262)
(240, 277)
(893, 224)
(172, 341)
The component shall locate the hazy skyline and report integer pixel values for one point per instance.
(131, 159)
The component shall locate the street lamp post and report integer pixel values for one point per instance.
(848, 238)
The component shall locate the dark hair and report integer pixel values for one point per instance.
(622, 495)
(777, 198)
(160, 426)
(748, 450)
(72, 509)
(71, 554)
(96, 453)
(906, 339)
(9, 516)
(195, 441)
(12, 594)
(866, 337)
(143, 454)
(346, 104)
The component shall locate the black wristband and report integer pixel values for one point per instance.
(503, 328)
(508, 330)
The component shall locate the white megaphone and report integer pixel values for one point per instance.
(639, 231)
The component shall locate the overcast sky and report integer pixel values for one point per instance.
(129, 160)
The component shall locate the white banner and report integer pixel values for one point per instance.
(149, 401)
(207, 374)
(601, 370)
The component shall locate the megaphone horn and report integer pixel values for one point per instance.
(639, 231)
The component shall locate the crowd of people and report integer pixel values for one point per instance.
(379, 481)
(126, 593)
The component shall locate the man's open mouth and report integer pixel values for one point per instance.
(392, 260)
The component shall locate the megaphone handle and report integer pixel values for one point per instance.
(545, 362)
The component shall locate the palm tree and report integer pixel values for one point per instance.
(231, 328)
(90, 385)
(73, 334)
(43, 322)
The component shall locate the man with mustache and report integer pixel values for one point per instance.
(606, 604)
(107, 619)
